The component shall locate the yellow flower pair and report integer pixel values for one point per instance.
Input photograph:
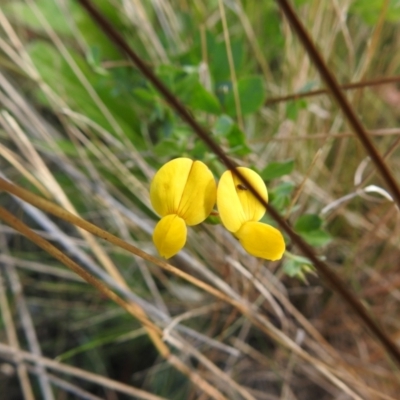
(183, 192)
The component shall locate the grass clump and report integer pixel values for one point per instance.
(82, 128)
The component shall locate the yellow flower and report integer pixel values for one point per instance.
(240, 212)
(182, 192)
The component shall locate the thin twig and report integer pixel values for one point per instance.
(346, 86)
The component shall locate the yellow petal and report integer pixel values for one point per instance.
(236, 204)
(168, 185)
(184, 187)
(261, 240)
(169, 235)
(199, 195)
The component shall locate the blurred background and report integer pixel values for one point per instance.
(81, 127)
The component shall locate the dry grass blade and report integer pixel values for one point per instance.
(52, 186)
(133, 309)
(324, 270)
(13, 341)
(26, 322)
(153, 331)
(40, 268)
(66, 386)
(231, 64)
(79, 373)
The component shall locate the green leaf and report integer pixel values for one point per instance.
(213, 220)
(292, 268)
(293, 108)
(201, 99)
(277, 169)
(167, 148)
(283, 189)
(307, 223)
(145, 96)
(184, 83)
(218, 59)
(237, 141)
(309, 226)
(297, 266)
(316, 238)
(279, 196)
(271, 36)
(223, 125)
(251, 95)
(199, 150)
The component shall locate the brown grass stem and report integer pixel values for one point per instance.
(347, 86)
